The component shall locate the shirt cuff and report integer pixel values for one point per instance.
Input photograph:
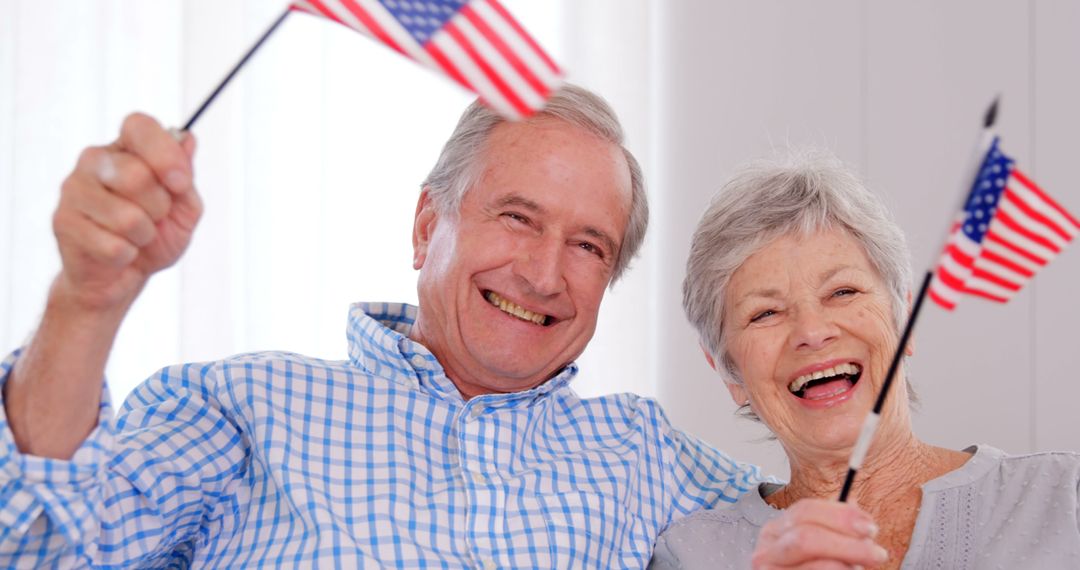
(65, 490)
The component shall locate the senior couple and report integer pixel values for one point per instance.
(451, 437)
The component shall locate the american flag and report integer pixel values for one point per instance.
(476, 42)
(1008, 230)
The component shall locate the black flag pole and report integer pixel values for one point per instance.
(866, 435)
(221, 86)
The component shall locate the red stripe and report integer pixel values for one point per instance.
(986, 295)
(372, 25)
(493, 75)
(949, 280)
(524, 35)
(993, 236)
(322, 11)
(451, 69)
(1007, 220)
(942, 301)
(506, 51)
(1032, 213)
(979, 273)
(1030, 185)
(1005, 262)
(960, 257)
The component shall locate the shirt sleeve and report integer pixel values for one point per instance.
(154, 484)
(700, 476)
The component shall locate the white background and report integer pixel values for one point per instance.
(310, 163)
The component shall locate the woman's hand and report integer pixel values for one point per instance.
(819, 534)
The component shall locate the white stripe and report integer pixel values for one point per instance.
(1021, 242)
(1031, 224)
(1036, 202)
(944, 291)
(342, 13)
(501, 66)
(521, 47)
(473, 74)
(957, 269)
(862, 445)
(987, 287)
(1001, 271)
(995, 247)
(966, 245)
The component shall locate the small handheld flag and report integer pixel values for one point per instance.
(475, 42)
(1009, 229)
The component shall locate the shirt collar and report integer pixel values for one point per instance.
(379, 342)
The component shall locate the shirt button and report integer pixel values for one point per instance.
(418, 361)
(489, 564)
(479, 478)
(476, 412)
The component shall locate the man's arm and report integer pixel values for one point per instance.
(127, 211)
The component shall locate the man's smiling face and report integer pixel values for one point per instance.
(511, 285)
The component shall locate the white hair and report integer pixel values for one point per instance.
(459, 165)
(798, 194)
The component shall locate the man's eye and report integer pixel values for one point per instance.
(592, 248)
(516, 217)
(844, 292)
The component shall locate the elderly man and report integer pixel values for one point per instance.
(450, 436)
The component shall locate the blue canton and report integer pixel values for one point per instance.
(422, 18)
(283, 461)
(986, 194)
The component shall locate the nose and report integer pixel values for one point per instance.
(813, 328)
(541, 267)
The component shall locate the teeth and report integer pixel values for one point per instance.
(512, 309)
(848, 368)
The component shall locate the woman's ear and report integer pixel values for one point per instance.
(708, 357)
(738, 391)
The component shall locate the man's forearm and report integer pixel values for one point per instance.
(53, 395)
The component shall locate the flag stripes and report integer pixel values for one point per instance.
(1009, 229)
(477, 43)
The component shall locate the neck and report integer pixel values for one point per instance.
(894, 468)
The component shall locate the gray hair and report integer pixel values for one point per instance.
(459, 165)
(798, 194)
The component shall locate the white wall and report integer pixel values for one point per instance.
(305, 211)
(897, 89)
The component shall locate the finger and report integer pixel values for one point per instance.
(131, 178)
(807, 543)
(841, 517)
(143, 136)
(115, 214)
(88, 239)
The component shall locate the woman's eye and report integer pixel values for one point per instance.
(516, 217)
(763, 314)
(844, 292)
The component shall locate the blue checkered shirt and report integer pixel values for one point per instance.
(279, 460)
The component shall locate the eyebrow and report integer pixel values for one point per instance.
(591, 231)
(773, 293)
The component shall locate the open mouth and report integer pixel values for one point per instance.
(826, 383)
(516, 310)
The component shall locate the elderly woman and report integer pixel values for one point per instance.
(798, 284)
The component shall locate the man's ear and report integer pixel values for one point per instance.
(424, 222)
